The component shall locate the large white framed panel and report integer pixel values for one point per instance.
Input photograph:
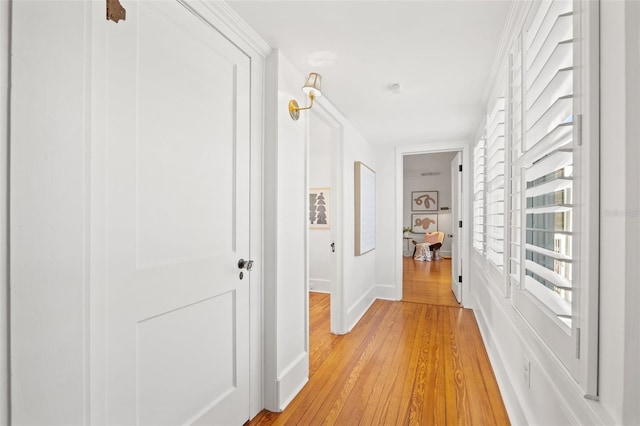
(204, 352)
(174, 224)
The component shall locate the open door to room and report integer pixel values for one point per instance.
(323, 211)
(456, 234)
(428, 252)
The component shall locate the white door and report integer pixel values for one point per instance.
(456, 219)
(176, 217)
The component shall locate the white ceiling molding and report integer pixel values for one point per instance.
(515, 21)
(228, 21)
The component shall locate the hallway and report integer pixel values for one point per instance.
(404, 363)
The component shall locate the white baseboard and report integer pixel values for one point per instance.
(358, 309)
(514, 409)
(386, 292)
(551, 396)
(320, 285)
(292, 380)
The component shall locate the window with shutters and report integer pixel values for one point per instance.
(531, 224)
(542, 205)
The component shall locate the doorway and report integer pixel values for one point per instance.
(324, 244)
(430, 210)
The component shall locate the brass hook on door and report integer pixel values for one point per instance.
(115, 11)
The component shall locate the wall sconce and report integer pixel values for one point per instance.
(311, 88)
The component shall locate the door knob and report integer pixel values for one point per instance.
(245, 264)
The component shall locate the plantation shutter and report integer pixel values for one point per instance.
(516, 123)
(548, 151)
(479, 154)
(495, 184)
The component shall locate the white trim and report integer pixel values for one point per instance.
(5, 35)
(631, 387)
(508, 392)
(231, 25)
(256, 324)
(292, 380)
(334, 119)
(588, 155)
(358, 309)
(269, 234)
(512, 27)
(386, 292)
(319, 285)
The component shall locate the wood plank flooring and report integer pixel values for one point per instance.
(427, 282)
(404, 363)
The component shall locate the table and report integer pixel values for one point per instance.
(407, 253)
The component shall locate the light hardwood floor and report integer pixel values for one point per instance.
(427, 282)
(404, 363)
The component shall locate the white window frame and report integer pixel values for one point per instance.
(587, 187)
(578, 355)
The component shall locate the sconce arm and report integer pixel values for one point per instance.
(294, 109)
(310, 105)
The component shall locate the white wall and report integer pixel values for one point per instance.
(553, 397)
(387, 233)
(49, 266)
(321, 147)
(414, 181)
(285, 237)
(359, 271)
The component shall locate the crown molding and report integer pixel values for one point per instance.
(513, 26)
(229, 21)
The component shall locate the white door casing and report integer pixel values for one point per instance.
(175, 220)
(456, 218)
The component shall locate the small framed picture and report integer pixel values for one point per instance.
(426, 201)
(423, 223)
(319, 208)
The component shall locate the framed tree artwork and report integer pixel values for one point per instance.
(424, 201)
(319, 208)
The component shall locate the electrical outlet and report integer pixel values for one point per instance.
(526, 370)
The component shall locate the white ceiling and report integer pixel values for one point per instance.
(441, 52)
